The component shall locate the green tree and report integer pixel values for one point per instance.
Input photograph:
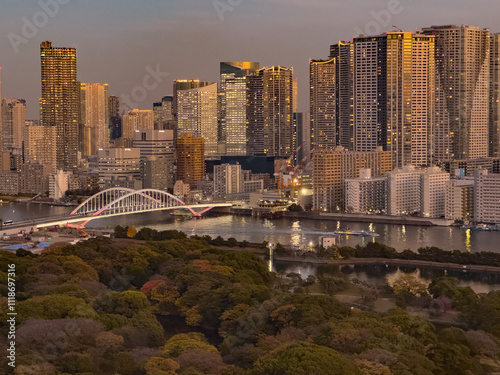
(178, 344)
(126, 303)
(304, 359)
(56, 306)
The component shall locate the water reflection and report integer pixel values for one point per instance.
(301, 232)
(468, 246)
(381, 274)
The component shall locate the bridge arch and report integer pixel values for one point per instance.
(120, 200)
(105, 196)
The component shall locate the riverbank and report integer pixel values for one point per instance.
(370, 261)
(356, 218)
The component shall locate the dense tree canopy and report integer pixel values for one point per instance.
(166, 304)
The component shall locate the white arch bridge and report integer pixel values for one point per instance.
(124, 201)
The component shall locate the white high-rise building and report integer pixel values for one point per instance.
(58, 184)
(197, 111)
(462, 78)
(94, 101)
(157, 157)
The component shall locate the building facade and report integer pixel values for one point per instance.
(459, 200)
(394, 96)
(343, 52)
(270, 125)
(323, 104)
(404, 187)
(332, 168)
(494, 119)
(233, 105)
(487, 197)
(13, 123)
(434, 182)
(137, 119)
(190, 159)
(157, 157)
(40, 145)
(119, 167)
(197, 111)
(94, 117)
(366, 195)
(463, 70)
(228, 179)
(59, 103)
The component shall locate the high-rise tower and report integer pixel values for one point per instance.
(94, 117)
(463, 70)
(59, 102)
(494, 120)
(343, 52)
(233, 105)
(394, 96)
(196, 111)
(324, 127)
(270, 122)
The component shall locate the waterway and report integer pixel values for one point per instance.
(297, 232)
(301, 233)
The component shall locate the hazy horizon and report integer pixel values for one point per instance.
(117, 41)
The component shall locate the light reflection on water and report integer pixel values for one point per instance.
(286, 231)
(301, 232)
(380, 275)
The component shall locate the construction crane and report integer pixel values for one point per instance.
(286, 168)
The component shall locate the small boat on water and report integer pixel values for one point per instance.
(184, 213)
(482, 227)
(361, 233)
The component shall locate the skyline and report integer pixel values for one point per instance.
(167, 36)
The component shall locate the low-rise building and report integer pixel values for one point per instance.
(181, 189)
(459, 199)
(487, 197)
(228, 179)
(58, 184)
(434, 182)
(119, 167)
(404, 188)
(9, 182)
(366, 194)
(33, 178)
(332, 168)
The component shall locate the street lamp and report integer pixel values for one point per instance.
(270, 257)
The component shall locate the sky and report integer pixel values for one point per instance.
(121, 42)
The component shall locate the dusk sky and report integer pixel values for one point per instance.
(117, 40)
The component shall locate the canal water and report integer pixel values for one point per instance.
(301, 233)
(297, 232)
